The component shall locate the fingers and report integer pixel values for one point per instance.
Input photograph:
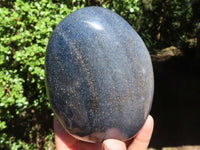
(112, 144)
(63, 140)
(142, 139)
(140, 142)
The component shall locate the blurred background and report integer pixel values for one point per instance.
(170, 30)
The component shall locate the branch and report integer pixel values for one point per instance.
(8, 90)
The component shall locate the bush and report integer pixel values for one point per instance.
(24, 108)
(166, 23)
(130, 10)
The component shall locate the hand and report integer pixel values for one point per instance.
(64, 141)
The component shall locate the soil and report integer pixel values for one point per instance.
(176, 105)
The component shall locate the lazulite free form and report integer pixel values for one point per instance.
(99, 76)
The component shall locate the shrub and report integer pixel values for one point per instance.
(24, 109)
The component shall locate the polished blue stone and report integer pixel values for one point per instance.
(99, 76)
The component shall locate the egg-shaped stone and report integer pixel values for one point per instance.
(99, 76)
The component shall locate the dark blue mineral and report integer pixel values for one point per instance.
(99, 76)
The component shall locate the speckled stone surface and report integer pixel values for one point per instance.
(99, 76)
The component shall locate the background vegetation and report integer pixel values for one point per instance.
(25, 28)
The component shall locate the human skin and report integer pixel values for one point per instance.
(64, 141)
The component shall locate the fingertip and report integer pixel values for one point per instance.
(113, 144)
(143, 137)
(150, 119)
(149, 124)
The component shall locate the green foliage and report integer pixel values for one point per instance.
(128, 9)
(25, 30)
(160, 23)
(166, 23)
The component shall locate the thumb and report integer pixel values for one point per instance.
(112, 144)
